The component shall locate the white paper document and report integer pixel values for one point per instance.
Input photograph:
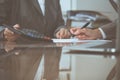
(77, 40)
(65, 40)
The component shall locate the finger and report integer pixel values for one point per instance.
(66, 34)
(83, 37)
(63, 33)
(17, 26)
(73, 30)
(58, 35)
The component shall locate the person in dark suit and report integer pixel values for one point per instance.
(107, 31)
(43, 16)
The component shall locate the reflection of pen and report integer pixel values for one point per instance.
(85, 25)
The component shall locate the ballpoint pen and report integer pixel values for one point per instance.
(84, 26)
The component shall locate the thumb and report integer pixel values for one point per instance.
(16, 26)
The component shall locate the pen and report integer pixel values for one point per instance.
(85, 25)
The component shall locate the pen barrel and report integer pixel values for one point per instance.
(84, 26)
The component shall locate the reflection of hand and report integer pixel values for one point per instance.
(63, 44)
(9, 35)
(63, 33)
(68, 44)
(9, 46)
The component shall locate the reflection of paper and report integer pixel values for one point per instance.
(86, 45)
(77, 40)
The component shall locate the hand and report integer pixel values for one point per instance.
(9, 35)
(90, 34)
(86, 34)
(63, 33)
(75, 31)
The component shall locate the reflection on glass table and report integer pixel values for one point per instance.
(24, 63)
(51, 61)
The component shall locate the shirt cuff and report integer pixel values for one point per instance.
(102, 33)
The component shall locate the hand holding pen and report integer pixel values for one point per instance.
(76, 30)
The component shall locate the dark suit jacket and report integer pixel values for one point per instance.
(110, 30)
(28, 14)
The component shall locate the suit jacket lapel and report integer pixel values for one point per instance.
(47, 8)
(37, 6)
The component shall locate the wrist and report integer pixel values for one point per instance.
(99, 35)
(103, 35)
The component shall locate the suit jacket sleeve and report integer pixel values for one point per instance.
(110, 30)
(3, 16)
(60, 21)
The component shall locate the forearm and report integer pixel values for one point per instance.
(109, 30)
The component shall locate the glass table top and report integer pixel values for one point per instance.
(55, 61)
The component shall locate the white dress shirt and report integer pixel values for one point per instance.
(42, 5)
(103, 33)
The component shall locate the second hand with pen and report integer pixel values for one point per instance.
(84, 26)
